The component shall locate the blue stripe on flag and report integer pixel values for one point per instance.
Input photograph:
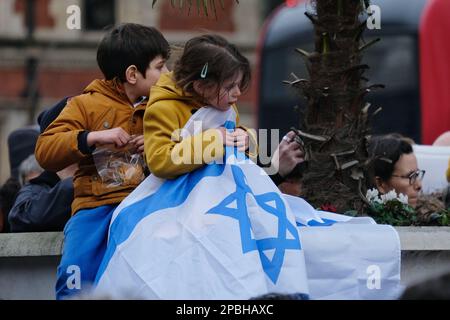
(314, 223)
(277, 208)
(171, 194)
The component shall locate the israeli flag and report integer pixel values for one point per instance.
(220, 232)
(226, 232)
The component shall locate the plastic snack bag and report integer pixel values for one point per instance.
(118, 167)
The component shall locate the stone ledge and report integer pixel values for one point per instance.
(50, 243)
(424, 238)
(31, 244)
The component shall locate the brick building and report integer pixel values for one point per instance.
(43, 59)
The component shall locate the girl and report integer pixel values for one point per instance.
(211, 72)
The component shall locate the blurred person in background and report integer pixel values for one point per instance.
(444, 141)
(395, 167)
(29, 169)
(44, 204)
(21, 144)
(435, 288)
(8, 194)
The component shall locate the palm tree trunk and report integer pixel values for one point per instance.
(336, 115)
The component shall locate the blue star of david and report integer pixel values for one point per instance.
(271, 267)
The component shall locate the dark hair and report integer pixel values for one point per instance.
(281, 296)
(130, 44)
(224, 62)
(21, 144)
(386, 151)
(8, 194)
(397, 135)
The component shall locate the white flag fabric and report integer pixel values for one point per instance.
(226, 232)
(352, 261)
(434, 160)
(346, 257)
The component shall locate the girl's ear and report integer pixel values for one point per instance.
(199, 87)
(382, 186)
(131, 74)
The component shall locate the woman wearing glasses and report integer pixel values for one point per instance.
(395, 167)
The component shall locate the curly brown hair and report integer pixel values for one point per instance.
(223, 61)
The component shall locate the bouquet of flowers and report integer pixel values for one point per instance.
(393, 209)
(390, 208)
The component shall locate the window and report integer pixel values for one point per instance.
(99, 14)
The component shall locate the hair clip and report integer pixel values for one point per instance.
(204, 71)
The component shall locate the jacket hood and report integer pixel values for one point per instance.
(110, 88)
(166, 89)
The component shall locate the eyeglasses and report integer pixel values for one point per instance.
(413, 176)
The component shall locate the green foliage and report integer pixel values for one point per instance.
(352, 213)
(394, 210)
(444, 218)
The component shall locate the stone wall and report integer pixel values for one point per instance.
(28, 261)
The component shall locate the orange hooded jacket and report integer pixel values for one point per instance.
(103, 105)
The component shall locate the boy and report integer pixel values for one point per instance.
(131, 58)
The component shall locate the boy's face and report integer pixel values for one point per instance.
(156, 67)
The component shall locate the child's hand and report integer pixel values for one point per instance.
(118, 136)
(241, 139)
(227, 138)
(138, 143)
